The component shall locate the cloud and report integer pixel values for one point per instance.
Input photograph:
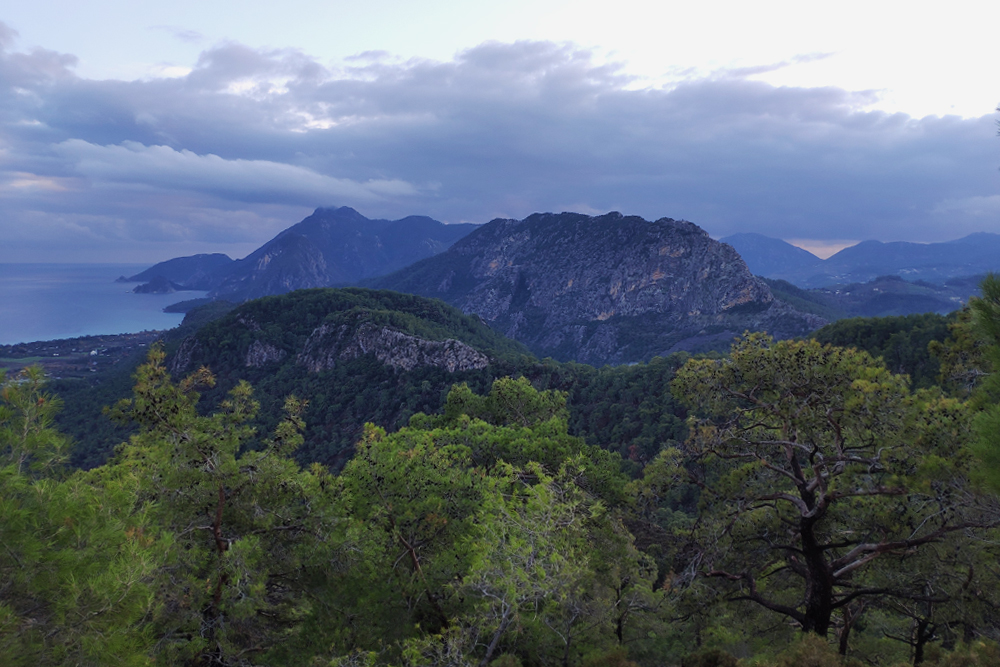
(164, 168)
(7, 36)
(260, 136)
(180, 34)
(983, 207)
(742, 72)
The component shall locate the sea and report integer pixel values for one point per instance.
(50, 301)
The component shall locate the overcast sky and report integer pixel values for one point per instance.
(134, 132)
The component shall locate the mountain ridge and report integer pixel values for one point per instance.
(778, 256)
(974, 254)
(335, 247)
(602, 289)
(330, 247)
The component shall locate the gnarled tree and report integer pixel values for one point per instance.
(821, 472)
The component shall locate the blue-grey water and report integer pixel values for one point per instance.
(50, 301)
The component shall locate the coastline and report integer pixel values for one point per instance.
(56, 302)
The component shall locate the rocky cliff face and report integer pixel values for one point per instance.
(329, 344)
(289, 263)
(261, 354)
(333, 343)
(607, 289)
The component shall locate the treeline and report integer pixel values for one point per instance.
(793, 503)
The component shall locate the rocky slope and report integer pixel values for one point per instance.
(606, 289)
(352, 324)
(331, 344)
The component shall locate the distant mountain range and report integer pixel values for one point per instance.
(935, 263)
(605, 289)
(330, 247)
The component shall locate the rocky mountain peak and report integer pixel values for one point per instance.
(602, 289)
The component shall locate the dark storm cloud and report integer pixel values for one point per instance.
(250, 139)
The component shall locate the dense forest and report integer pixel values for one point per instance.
(819, 502)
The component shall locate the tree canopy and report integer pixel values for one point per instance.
(819, 466)
(561, 516)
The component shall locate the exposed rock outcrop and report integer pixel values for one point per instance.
(261, 354)
(186, 352)
(329, 344)
(322, 348)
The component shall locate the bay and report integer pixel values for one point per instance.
(51, 301)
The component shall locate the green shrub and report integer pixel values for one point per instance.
(712, 657)
(613, 658)
(506, 660)
(978, 654)
(811, 651)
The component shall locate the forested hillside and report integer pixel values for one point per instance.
(627, 409)
(790, 503)
(902, 343)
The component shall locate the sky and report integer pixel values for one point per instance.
(136, 132)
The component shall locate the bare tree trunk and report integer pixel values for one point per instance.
(819, 582)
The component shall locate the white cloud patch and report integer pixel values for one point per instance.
(163, 167)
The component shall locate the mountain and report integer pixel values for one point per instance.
(330, 247)
(602, 290)
(770, 257)
(335, 247)
(197, 272)
(932, 262)
(936, 263)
